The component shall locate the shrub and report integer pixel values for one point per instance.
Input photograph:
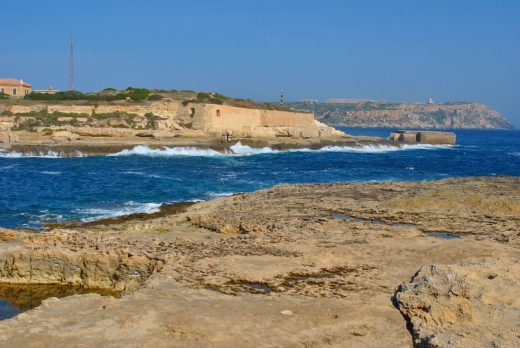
(58, 96)
(155, 97)
(3, 96)
(203, 96)
(137, 94)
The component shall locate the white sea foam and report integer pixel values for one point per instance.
(131, 207)
(33, 154)
(369, 148)
(219, 194)
(516, 154)
(239, 149)
(244, 150)
(50, 172)
(236, 150)
(144, 150)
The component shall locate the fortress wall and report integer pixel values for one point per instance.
(218, 118)
(224, 117)
(273, 118)
(193, 116)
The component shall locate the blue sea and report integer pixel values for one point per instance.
(35, 190)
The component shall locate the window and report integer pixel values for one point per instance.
(14, 91)
(2, 90)
(218, 113)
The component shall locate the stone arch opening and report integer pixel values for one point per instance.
(218, 113)
(192, 112)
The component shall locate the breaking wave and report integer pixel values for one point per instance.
(237, 150)
(244, 150)
(368, 148)
(128, 208)
(39, 154)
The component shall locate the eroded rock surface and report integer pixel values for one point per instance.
(292, 266)
(473, 303)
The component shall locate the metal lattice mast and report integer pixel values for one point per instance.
(281, 98)
(71, 72)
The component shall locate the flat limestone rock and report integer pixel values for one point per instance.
(229, 272)
(473, 303)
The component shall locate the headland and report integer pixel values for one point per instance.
(101, 124)
(386, 114)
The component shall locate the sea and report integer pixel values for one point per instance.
(44, 188)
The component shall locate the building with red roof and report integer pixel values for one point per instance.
(14, 87)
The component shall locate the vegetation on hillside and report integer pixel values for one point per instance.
(108, 94)
(143, 94)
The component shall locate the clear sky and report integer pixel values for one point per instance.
(406, 50)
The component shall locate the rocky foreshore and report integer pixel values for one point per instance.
(31, 144)
(395, 264)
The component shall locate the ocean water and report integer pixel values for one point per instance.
(47, 188)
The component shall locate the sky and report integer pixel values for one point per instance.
(406, 50)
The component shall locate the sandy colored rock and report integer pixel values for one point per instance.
(6, 234)
(102, 132)
(161, 134)
(332, 255)
(8, 137)
(63, 136)
(473, 303)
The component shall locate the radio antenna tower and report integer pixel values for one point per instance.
(281, 98)
(71, 72)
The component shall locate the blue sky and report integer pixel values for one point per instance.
(395, 50)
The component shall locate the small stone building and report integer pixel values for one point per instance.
(15, 88)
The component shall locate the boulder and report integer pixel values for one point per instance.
(473, 303)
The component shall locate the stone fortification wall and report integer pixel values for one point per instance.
(221, 118)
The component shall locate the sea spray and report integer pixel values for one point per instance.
(128, 208)
(239, 149)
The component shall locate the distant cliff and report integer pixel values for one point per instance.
(409, 115)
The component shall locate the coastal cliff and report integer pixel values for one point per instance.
(411, 115)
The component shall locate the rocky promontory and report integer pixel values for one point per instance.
(205, 120)
(393, 264)
(410, 115)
